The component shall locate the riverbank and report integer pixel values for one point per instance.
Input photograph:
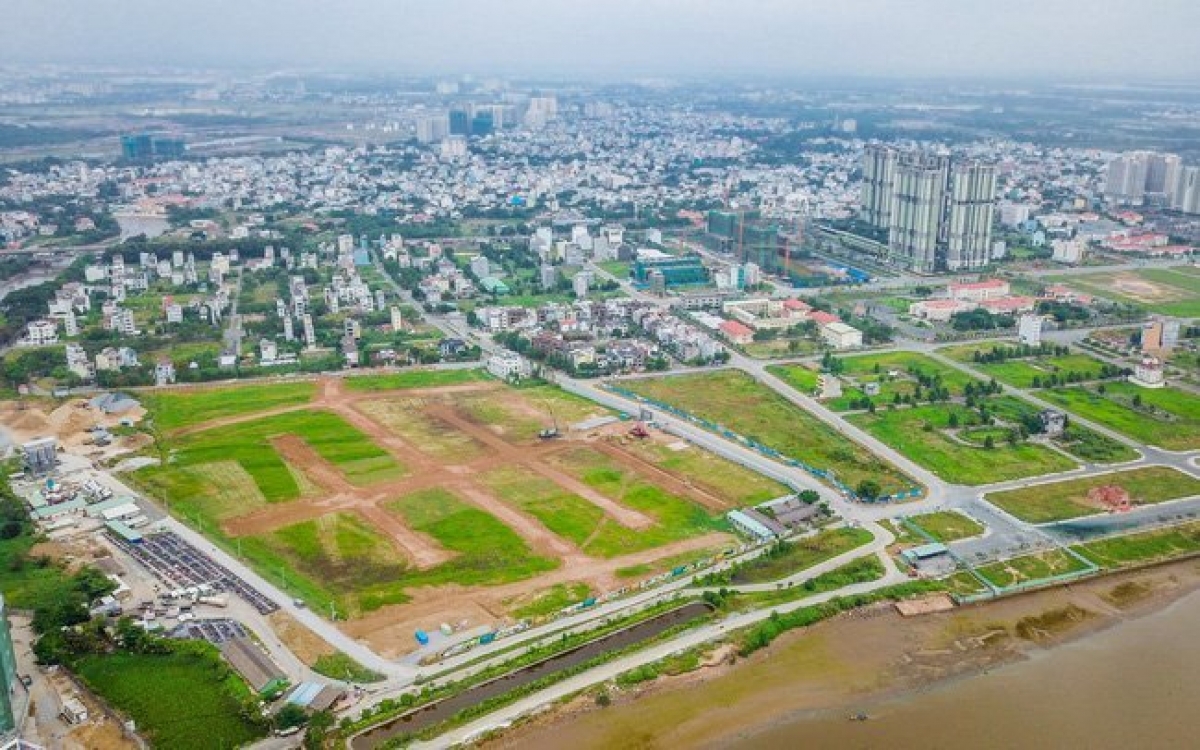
(805, 685)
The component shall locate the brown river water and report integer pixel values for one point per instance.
(1121, 671)
(1136, 685)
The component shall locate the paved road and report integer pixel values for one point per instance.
(310, 619)
(603, 673)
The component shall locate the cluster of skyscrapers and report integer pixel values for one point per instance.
(1141, 178)
(142, 147)
(935, 211)
(478, 120)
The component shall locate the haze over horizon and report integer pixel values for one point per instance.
(1101, 39)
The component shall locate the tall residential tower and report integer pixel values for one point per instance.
(937, 213)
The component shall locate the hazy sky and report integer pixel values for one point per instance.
(1112, 39)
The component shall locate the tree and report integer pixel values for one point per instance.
(868, 489)
(808, 496)
(290, 715)
(319, 725)
(953, 421)
(989, 442)
(1137, 400)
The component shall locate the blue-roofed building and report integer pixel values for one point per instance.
(749, 525)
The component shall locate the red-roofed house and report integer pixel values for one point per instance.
(980, 290)
(736, 332)
(1009, 305)
(939, 310)
(820, 317)
(796, 308)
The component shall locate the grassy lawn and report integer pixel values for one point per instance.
(415, 379)
(429, 434)
(337, 558)
(186, 699)
(1059, 501)
(488, 551)
(963, 583)
(341, 667)
(1033, 567)
(617, 268)
(249, 444)
(1093, 447)
(340, 559)
(896, 373)
(921, 434)
(948, 526)
(663, 564)
(1179, 289)
(731, 482)
(1148, 546)
(184, 407)
(862, 570)
(795, 555)
(1168, 417)
(550, 600)
(736, 401)
(586, 526)
(519, 414)
(1021, 372)
(785, 345)
(801, 377)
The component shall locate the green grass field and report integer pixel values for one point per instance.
(1148, 546)
(1059, 501)
(731, 482)
(801, 377)
(519, 414)
(1179, 289)
(341, 559)
(736, 401)
(488, 551)
(586, 526)
(188, 699)
(795, 555)
(249, 445)
(430, 434)
(948, 526)
(185, 407)
(337, 559)
(1021, 372)
(342, 667)
(896, 373)
(1093, 447)
(415, 379)
(1168, 418)
(550, 600)
(1035, 567)
(919, 433)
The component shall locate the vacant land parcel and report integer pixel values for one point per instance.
(882, 378)
(953, 442)
(1060, 501)
(1166, 417)
(737, 402)
(440, 501)
(1170, 291)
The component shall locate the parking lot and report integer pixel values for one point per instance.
(182, 566)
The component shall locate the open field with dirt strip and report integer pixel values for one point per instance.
(401, 509)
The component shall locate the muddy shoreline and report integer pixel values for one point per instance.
(863, 661)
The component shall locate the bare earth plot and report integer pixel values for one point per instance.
(402, 509)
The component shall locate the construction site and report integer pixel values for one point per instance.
(446, 513)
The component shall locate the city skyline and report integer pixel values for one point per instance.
(933, 38)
